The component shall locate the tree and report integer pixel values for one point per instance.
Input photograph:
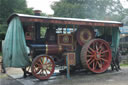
(8, 7)
(68, 9)
(92, 9)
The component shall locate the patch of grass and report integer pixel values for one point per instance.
(126, 65)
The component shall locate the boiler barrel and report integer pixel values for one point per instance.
(47, 49)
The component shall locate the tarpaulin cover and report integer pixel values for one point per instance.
(115, 33)
(15, 52)
(115, 40)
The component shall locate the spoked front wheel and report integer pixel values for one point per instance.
(43, 67)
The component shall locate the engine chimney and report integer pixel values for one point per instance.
(37, 12)
(37, 25)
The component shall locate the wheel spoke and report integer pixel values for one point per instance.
(91, 61)
(97, 48)
(40, 74)
(102, 55)
(38, 65)
(37, 70)
(105, 51)
(100, 62)
(93, 65)
(90, 55)
(48, 70)
(91, 49)
(100, 65)
(41, 61)
(44, 75)
(104, 59)
(49, 65)
(89, 52)
(40, 71)
(46, 59)
(101, 45)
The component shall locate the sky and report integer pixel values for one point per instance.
(44, 5)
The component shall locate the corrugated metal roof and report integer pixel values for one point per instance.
(62, 19)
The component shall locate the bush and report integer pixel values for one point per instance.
(2, 36)
(3, 28)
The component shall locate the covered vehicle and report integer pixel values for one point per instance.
(89, 44)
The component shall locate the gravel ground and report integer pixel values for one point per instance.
(7, 80)
(108, 78)
(78, 78)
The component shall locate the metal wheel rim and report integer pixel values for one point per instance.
(43, 67)
(97, 55)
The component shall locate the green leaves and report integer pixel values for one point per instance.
(65, 9)
(92, 9)
(8, 7)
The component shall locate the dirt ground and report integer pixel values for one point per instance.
(14, 77)
(78, 78)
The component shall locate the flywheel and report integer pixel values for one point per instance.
(84, 35)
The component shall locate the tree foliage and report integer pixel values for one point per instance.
(68, 9)
(92, 9)
(8, 7)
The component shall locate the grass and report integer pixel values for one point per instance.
(124, 65)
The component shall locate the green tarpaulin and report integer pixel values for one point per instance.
(15, 52)
(115, 40)
(115, 33)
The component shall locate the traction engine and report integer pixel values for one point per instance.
(83, 49)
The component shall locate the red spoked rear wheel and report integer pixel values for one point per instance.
(43, 67)
(96, 55)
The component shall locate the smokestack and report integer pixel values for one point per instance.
(37, 25)
(37, 12)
